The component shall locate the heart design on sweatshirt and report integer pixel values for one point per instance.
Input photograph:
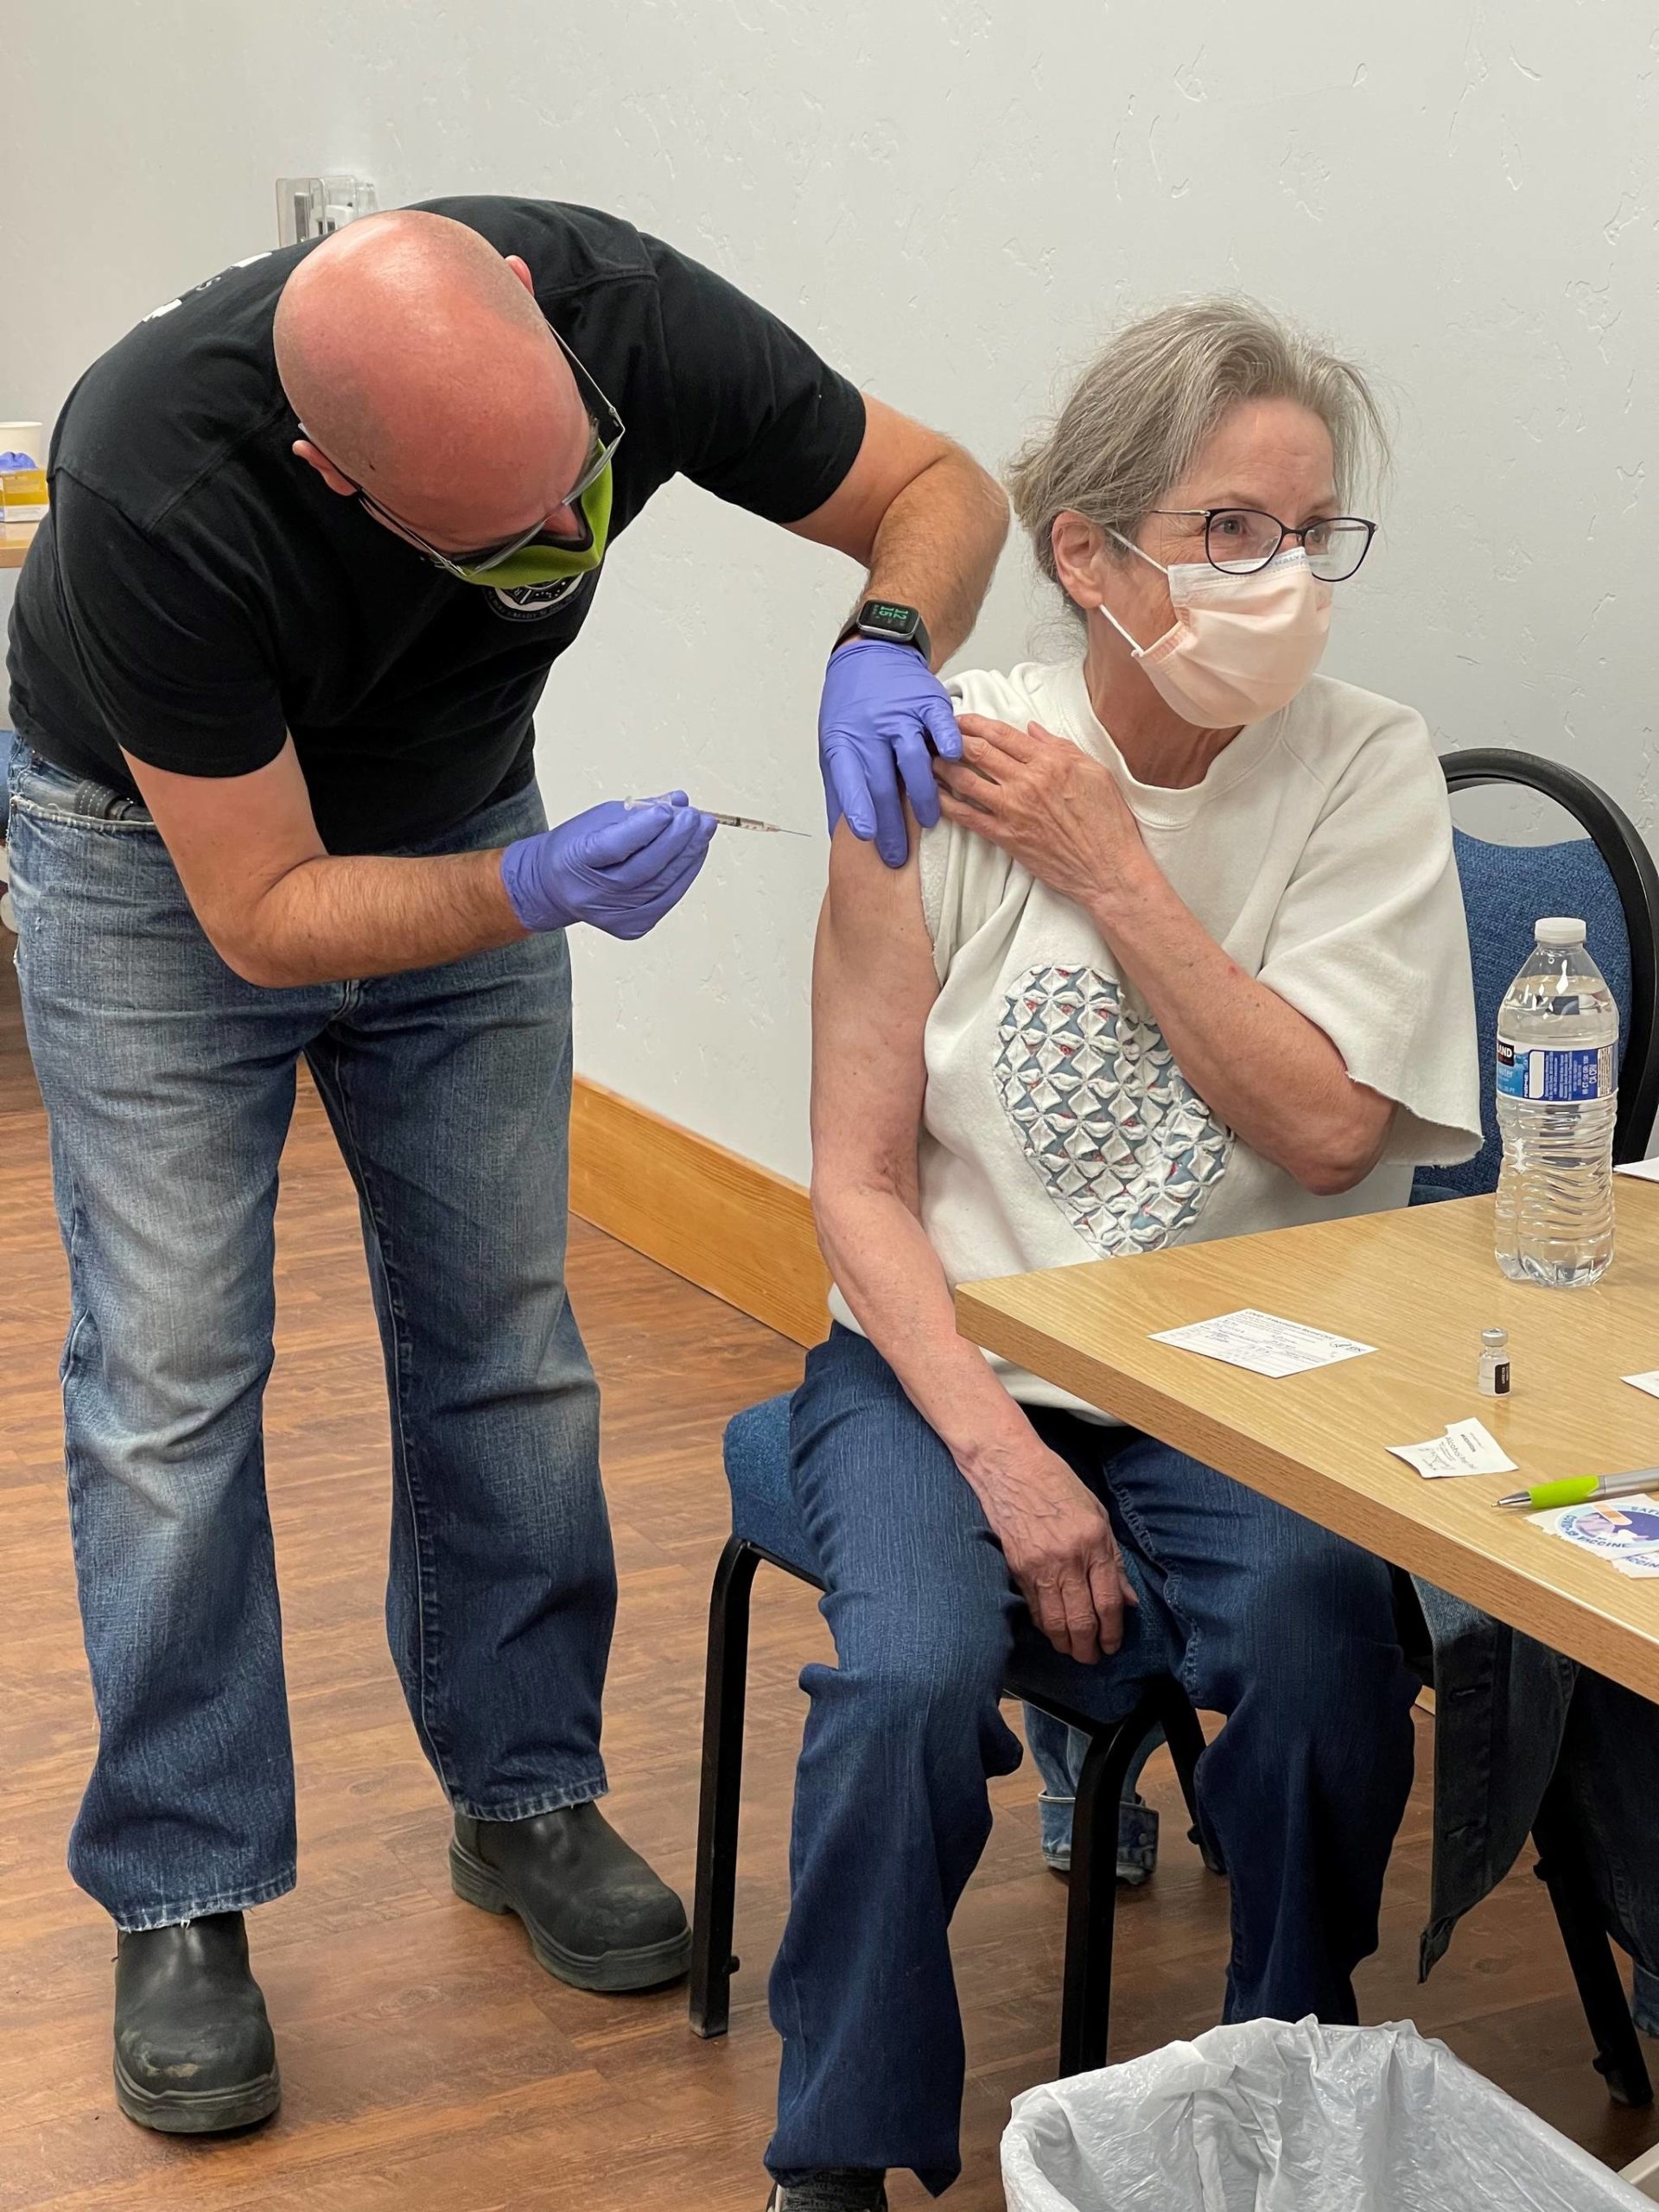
(1115, 1133)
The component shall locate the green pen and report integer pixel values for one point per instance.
(1578, 1489)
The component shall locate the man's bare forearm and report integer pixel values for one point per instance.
(330, 919)
(938, 544)
(282, 912)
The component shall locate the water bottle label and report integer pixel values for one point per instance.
(1582, 1072)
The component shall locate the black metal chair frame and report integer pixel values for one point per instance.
(1561, 1866)
(1085, 2004)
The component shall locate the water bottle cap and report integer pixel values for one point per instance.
(1560, 929)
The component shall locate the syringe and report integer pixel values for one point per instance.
(726, 821)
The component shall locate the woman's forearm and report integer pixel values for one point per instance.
(890, 1276)
(1271, 1075)
(1055, 1535)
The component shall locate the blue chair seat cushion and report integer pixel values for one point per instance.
(757, 1468)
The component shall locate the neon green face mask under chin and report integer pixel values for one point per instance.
(539, 563)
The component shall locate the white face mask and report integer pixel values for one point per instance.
(1240, 647)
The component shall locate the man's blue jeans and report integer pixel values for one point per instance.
(170, 1084)
(1262, 1617)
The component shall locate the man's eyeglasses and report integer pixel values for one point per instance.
(1240, 540)
(606, 427)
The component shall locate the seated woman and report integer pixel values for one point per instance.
(1185, 958)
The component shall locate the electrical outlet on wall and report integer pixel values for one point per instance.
(313, 206)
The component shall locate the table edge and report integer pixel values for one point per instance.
(1556, 1617)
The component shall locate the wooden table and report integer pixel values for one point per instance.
(1419, 1284)
(16, 539)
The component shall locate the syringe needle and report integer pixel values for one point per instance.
(726, 821)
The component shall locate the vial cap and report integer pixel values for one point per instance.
(1494, 1339)
(1560, 929)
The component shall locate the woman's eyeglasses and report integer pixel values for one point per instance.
(1240, 540)
(606, 427)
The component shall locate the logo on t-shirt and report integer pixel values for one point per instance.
(205, 285)
(1116, 1136)
(529, 602)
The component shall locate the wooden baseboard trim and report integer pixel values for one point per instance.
(708, 1214)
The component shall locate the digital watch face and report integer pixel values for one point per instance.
(887, 615)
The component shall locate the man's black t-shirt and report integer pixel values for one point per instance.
(198, 594)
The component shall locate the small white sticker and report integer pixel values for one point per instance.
(1466, 1448)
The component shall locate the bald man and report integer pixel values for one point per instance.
(318, 531)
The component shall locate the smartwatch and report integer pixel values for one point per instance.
(890, 622)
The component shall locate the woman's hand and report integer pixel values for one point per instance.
(1057, 1540)
(1041, 798)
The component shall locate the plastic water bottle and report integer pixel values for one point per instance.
(1557, 1072)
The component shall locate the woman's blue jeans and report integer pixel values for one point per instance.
(169, 1083)
(1286, 1630)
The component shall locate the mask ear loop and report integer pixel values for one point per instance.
(1140, 554)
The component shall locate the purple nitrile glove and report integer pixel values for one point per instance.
(619, 868)
(882, 703)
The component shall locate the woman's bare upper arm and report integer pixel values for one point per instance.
(873, 985)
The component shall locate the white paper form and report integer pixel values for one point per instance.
(1645, 1171)
(1649, 1382)
(1262, 1342)
(1468, 1447)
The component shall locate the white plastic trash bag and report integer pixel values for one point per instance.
(1269, 2117)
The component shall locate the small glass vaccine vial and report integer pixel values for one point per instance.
(1494, 1377)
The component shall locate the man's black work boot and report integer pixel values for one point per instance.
(193, 2050)
(595, 1914)
(835, 2189)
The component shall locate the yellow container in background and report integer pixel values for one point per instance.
(23, 490)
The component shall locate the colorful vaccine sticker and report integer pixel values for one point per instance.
(1614, 1527)
(1616, 1531)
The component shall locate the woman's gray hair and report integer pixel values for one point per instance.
(1139, 414)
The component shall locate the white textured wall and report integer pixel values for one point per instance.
(952, 200)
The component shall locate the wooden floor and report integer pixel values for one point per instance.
(428, 2061)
